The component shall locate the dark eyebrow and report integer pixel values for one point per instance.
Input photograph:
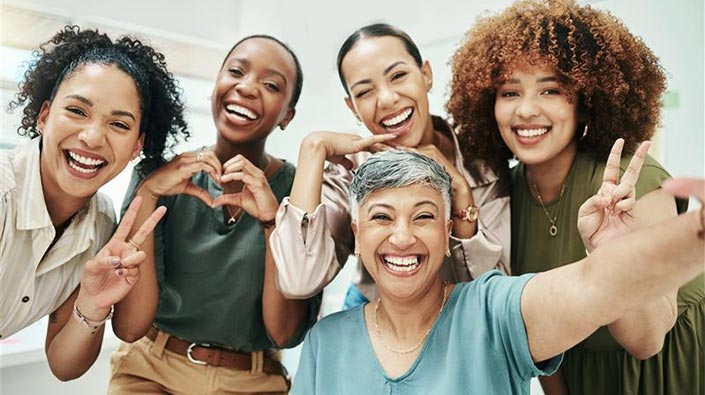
(551, 78)
(87, 102)
(247, 63)
(385, 72)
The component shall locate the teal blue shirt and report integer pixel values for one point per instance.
(478, 345)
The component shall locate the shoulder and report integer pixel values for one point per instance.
(335, 326)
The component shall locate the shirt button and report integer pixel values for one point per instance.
(25, 299)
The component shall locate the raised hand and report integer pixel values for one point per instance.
(608, 214)
(256, 197)
(174, 178)
(337, 145)
(112, 273)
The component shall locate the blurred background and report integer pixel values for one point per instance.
(196, 35)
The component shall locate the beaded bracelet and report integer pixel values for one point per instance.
(88, 323)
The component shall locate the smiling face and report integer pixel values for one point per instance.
(388, 90)
(253, 91)
(402, 235)
(90, 130)
(537, 117)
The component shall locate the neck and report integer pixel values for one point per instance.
(550, 176)
(254, 152)
(61, 207)
(410, 319)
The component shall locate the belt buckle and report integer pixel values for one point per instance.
(190, 357)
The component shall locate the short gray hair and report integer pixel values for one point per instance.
(397, 169)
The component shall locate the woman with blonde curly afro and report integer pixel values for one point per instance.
(554, 84)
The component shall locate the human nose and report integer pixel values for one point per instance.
(527, 108)
(387, 97)
(92, 136)
(402, 237)
(246, 87)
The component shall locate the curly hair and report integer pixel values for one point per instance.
(618, 80)
(160, 96)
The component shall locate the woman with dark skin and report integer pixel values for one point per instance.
(207, 316)
(553, 84)
(91, 105)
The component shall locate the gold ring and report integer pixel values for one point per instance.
(132, 243)
(199, 156)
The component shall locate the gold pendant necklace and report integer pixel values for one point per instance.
(553, 229)
(423, 339)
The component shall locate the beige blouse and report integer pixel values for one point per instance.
(310, 248)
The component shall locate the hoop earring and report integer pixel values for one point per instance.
(358, 121)
(585, 132)
(357, 253)
(448, 253)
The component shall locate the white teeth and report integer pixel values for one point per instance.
(81, 169)
(85, 161)
(531, 132)
(398, 119)
(241, 111)
(402, 264)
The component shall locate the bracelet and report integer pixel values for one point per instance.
(701, 232)
(268, 224)
(88, 323)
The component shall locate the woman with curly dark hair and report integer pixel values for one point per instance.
(91, 105)
(554, 84)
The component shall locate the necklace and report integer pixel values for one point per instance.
(425, 335)
(553, 229)
(234, 216)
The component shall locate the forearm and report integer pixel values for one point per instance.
(282, 317)
(306, 189)
(73, 350)
(644, 265)
(134, 314)
(462, 199)
(641, 331)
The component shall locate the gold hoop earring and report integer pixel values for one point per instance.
(448, 253)
(357, 253)
(585, 132)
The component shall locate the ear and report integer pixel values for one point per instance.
(43, 115)
(427, 75)
(351, 106)
(138, 147)
(353, 225)
(290, 113)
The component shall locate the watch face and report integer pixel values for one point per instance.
(472, 213)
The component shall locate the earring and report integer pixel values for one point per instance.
(357, 253)
(39, 131)
(282, 127)
(358, 121)
(448, 253)
(585, 132)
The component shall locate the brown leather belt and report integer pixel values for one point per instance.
(201, 354)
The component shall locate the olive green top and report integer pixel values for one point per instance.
(211, 273)
(599, 365)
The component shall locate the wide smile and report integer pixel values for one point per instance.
(531, 134)
(84, 165)
(406, 265)
(398, 122)
(241, 112)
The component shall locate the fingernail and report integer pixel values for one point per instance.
(115, 261)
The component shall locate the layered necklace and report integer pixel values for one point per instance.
(553, 229)
(425, 335)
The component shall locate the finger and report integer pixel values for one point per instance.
(365, 142)
(611, 173)
(233, 199)
(134, 259)
(199, 193)
(631, 175)
(235, 159)
(593, 204)
(127, 220)
(686, 187)
(235, 176)
(210, 159)
(97, 265)
(625, 205)
(128, 272)
(148, 226)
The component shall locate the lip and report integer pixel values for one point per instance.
(236, 117)
(83, 164)
(422, 260)
(529, 140)
(404, 127)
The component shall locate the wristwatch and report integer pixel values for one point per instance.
(469, 214)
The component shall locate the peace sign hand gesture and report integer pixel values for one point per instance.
(609, 213)
(112, 273)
